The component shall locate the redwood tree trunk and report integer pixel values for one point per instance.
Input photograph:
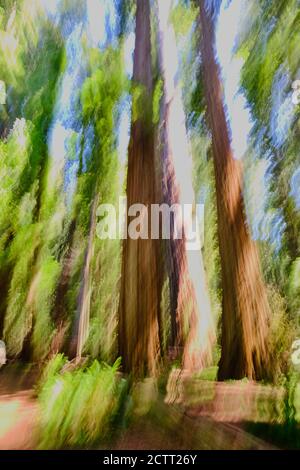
(139, 311)
(192, 330)
(245, 305)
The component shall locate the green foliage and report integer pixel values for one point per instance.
(209, 374)
(282, 334)
(268, 46)
(101, 93)
(42, 301)
(18, 320)
(266, 55)
(102, 341)
(23, 160)
(294, 286)
(142, 105)
(283, 431)
(50, 371)
(78, 407)
(157, 95)
(183, 18)
(14, 156)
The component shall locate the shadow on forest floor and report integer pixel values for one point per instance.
(284, 436)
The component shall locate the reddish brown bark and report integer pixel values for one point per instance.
(139, 313)
(245, 305)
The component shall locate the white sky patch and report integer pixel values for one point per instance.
(124, 135)
(256, 194)
(173, 96)
(295, 187)
(2, 92)
(239, 115)
(283, 109)
(19, 130)
(50, 6)
(57, 149)
(125, 119)
(96, 11)
(128, 54)
(169, 47)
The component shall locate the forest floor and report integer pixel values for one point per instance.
(19, 414)
(216, 424)
(18, 408)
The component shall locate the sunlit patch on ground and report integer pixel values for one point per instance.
(17, 421)
(8, 416)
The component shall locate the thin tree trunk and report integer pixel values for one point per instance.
(245, 304)
(81, 326)
(192, 330)
(139, 311)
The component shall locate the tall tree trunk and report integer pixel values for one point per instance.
(139, 311)
(192, 329)
(245, 305)
(81, 325)
(59, 313)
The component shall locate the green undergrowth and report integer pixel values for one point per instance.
(79, 407)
